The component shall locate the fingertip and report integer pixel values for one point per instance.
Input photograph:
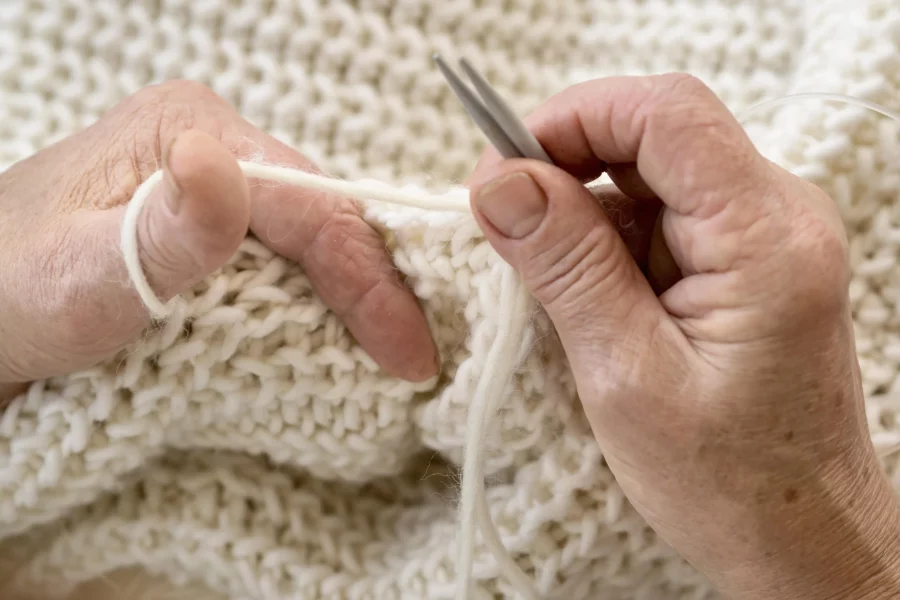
(422, 364)
(415, 356)
(197, 218)
(211, 182)
(566, 204)
(390, 325)
(514, 205)
(211, 194)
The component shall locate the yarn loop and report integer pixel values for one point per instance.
(500, 364)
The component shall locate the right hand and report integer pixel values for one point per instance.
(711, 338)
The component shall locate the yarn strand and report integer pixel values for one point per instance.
(499, 367)
(366, 191)
(157, 308)
(840, 98)
(474, 512)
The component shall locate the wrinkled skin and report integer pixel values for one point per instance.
(65, 298)
(706, 316)
(702, 303)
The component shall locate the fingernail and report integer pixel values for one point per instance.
(514, 204)
(171, 190)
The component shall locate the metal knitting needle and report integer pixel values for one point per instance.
(513, 126)
(492, 115)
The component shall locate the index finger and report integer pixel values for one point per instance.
(345, 259)
(681, 137)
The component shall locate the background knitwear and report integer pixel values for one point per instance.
(248, 445)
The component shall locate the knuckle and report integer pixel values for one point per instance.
(334, 225)
(128, 142)
(353, 255)
(696, 140)
(154, 116)
(823, 251)
(818, 258)
(572, 268)
(683, 114)
(133, 137)
(684, 86)
(349, 260)
(337, 237)
(179, 91)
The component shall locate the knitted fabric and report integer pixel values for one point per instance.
(248, 444)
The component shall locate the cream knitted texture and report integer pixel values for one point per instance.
(248, 444)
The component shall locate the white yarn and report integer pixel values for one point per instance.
(840, 98)
(451, 201)
(158, 309)
(247, 444)
(498, 369)
(502, 359)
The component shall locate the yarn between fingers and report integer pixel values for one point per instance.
(499, 368)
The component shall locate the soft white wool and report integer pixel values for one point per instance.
(247, 443)
(501, 360)
(500, 363)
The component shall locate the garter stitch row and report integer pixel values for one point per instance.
(247, 445)
(499, 367)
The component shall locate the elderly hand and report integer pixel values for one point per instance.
(65, 301)
(705, 313)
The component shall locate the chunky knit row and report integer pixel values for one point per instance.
(248, 444)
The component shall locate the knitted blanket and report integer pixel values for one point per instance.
(248, 445)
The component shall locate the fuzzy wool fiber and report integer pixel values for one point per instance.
(247, 447)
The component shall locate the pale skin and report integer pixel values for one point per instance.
(702, 303)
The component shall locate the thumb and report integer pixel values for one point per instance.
(195, 217)
(554, 232)
(192, 222)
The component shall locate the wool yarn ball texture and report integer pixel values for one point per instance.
(248, 446)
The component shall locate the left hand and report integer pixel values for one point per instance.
(65, 300)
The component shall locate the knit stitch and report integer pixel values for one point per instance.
(513, 303)
(248, 444)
